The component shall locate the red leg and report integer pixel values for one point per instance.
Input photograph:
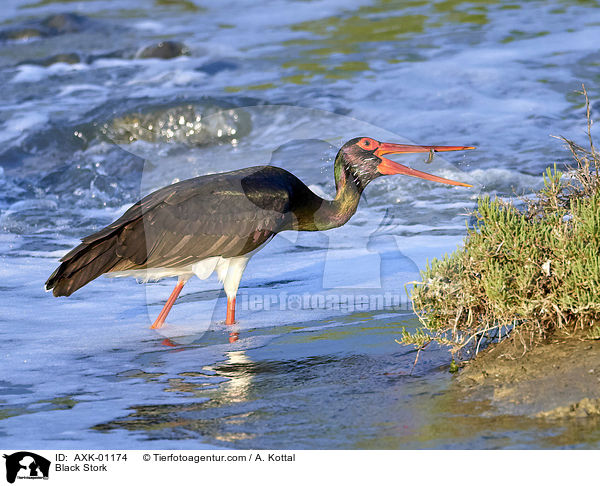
(230, 311)
(160, 320)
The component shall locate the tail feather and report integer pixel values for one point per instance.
(82, 265)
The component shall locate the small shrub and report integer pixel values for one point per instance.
(524, 273)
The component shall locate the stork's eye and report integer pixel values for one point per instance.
(367, 144)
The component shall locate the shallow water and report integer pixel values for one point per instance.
(313, 362)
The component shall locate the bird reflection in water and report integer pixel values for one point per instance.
(234, 335)
(237, 389)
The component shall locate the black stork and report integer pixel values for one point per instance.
(216, 222)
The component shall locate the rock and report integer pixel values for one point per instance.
(164, 50)
(58, 24)
(70, 58)
(53, 25)
(24, 33)
(188, 124)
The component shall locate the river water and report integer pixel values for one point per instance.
(89, 124)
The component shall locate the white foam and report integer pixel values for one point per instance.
(15, 127)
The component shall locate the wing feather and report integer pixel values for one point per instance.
(227, 215)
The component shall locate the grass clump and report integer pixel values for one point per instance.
(527, 273)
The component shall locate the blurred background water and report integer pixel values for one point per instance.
(103, 101)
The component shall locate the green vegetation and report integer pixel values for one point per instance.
(526, 274)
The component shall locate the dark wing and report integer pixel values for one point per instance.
(226, 215)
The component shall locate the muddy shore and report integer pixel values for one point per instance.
(556, 380)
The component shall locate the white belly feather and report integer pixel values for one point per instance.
(229, 271)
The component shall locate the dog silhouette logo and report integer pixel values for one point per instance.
(26, 465)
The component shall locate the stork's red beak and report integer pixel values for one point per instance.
(387, 167)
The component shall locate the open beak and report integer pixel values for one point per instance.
(387, 167)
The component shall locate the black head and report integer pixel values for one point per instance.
(356, 161)
(361, 160)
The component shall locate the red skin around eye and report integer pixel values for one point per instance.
(368, 143)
